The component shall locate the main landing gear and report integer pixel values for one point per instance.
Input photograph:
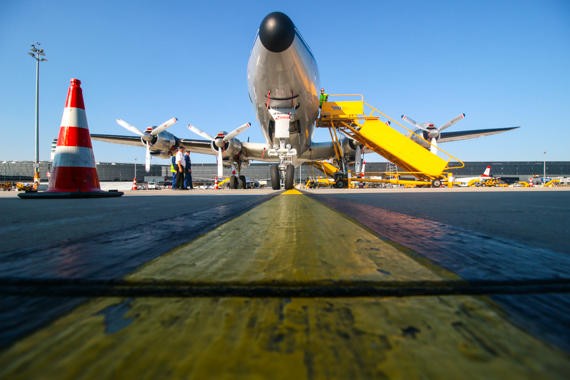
(237, 182)
(276, 178)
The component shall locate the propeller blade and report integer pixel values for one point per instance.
(413, 123)
(433, 146)
(147, 163)
(200, 133)
(164, 126)
(220, 165)
(126, 125)
(451, 122)
(236, 132)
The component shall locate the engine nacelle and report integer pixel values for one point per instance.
(349, 148)
(162, 144)
(230, 149)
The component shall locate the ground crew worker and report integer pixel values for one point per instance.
(188, 173)
(180, 168)
(324, 97)
(173, 168)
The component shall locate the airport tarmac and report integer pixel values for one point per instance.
(375, 283)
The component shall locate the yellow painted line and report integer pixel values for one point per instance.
(237, 338)
(287, 240)
(292, 191)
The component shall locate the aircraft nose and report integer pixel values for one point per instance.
(277, 32)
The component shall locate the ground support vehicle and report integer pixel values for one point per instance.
(26, 186)
(490, 182)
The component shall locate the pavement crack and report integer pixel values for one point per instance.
(121, 288)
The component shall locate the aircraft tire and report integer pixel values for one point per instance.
(233, 182)
(275, 177)
(241, 182)
(289, 177)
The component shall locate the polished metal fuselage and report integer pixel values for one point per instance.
(289, 79)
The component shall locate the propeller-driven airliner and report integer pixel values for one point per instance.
(283, 86)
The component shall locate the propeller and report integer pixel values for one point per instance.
(220, 140)
(432, 131)
(146, 135)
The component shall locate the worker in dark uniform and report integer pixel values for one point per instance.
(324, 97)
(188, 173)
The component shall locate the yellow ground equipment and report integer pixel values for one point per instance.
(369, 130)
(328, 170)
(25, 186)
(7, 186)
(552, 183)
(490, 182)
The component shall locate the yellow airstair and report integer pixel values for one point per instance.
(370, 131)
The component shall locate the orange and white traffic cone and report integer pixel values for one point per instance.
(73, 173)
(135, 184)
(530, 182)
(216, 183)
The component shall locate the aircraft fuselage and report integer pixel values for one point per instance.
(282, 74)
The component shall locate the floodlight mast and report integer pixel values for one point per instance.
(37, 53)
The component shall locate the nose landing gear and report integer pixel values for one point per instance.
(289, 177)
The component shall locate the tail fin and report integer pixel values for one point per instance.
(487, 172)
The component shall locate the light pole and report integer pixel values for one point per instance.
(544, 178)
(135, 169)
(37, 53)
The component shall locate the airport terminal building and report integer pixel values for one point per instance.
(23, 171)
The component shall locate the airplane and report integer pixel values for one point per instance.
(464, 181)
(283, 86)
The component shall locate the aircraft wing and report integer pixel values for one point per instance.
(198, 146)
(124, 140)
(464, 135)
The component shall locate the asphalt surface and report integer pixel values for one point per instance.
(537, 217)
(507, 244)
(27, 223)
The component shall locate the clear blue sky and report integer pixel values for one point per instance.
(503, 63)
